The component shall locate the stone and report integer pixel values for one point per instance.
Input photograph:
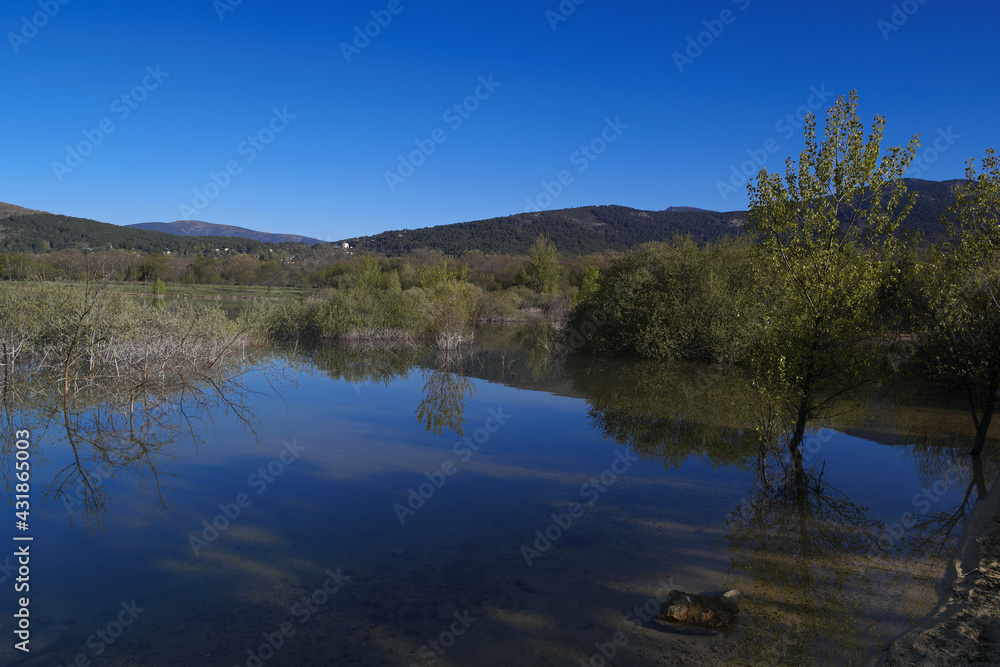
(707, 611)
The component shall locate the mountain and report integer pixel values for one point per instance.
(200, 228)
(9, 210)
(575, 231)
(587, 229)
(41, 232)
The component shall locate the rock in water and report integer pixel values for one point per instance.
(707, 611)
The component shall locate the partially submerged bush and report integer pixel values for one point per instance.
(671, 301)
(84, 336)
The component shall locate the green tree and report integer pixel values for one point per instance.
(154, 267)
(826, 229)
(588, 285)
(369, 275)
(963, 342)
(451, 303)
(270, 273)
(541, 273)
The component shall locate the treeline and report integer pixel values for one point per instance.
(318, 267)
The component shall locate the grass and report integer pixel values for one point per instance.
(210, 291)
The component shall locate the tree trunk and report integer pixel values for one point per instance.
(983, 425)
(795, 445)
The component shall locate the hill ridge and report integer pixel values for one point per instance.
(202, 228)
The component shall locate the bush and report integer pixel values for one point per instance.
(671, 301)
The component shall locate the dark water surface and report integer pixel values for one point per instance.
(354, 525)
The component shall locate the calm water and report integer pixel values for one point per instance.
(355, 525)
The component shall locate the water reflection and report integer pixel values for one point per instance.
(362, 364)
(445, 391)
(113, 428)
(821, 582)
(804, 564)
(818, 572)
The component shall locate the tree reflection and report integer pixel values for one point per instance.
(812, 565)
(445, 391)
(932, 528)
(802, 559)
(671, 413)
(127, 426)
(364, 363)
(446, 386)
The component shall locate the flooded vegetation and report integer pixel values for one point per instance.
(408, 505)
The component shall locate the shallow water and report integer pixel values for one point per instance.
(354, 524)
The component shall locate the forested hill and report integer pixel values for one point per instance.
(575, 231)
(200, 228)
(42, 232)
(579, 231)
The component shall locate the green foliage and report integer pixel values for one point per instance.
(588, 285)
(672, 301)
(541, 273)
(963, 336)
(499, 306)
(826, 229)
(159, 288)
(368, 314)
(270, 273)
(451, 302)
(154, 267)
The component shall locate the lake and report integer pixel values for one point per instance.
(363, 506)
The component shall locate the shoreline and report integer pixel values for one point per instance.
(964, 628)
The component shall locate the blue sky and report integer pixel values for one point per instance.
(256, 114)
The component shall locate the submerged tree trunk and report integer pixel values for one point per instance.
(795, 444)
(983, 422)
